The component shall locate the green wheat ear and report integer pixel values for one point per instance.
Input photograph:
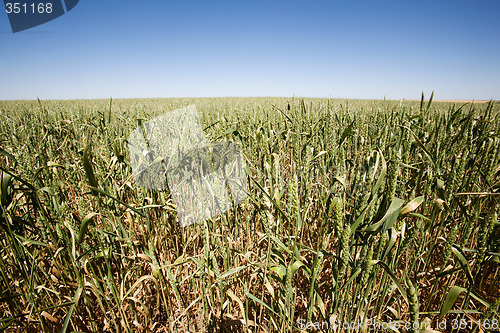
(315, 272)
(414, 306)
(484, 232)
(449, 243)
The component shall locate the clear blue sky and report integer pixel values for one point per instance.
(344, 49)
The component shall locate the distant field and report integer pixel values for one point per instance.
(459, 101)
(358, 211)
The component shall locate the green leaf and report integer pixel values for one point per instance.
(353, 276)
(361, 217)
(341, 180)
(109, 111)
(296, 265)
(390, 216)
(87, 165)
(5, 190)
(280, 270)
(232, 271)
(393, 236)
(278, 207)
(480, 299)
(412, 205)
(296, 252)
(346, 132)
(463, 262)
(83, 228)
(76, 298)
(440, 188)
(283, 113)
(117, 200)
(394, 279)
(421, 145)
(383, 172)
(321, 153)
(26, 241)
(419, 216)
(450, 299)
(255, 299)
(6, 153)
(281, 245)
(430, 101)
(7, 324)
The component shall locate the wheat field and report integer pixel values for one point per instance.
(359, 214)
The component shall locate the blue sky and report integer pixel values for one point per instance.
(337, 49)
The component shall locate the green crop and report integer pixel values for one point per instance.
(384, 211)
